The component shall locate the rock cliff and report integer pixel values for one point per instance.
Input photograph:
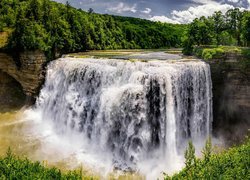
(231, 98)
(29, 74)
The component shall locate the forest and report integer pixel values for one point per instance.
(229, 29)
(56, 28)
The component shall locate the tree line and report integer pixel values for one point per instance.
(231, 28)
(59, 28)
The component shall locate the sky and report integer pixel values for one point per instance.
(172, 11)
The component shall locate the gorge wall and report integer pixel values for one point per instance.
(30, 73)
(11, 93)
(231, 98)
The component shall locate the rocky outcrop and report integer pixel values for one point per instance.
(29, 74)
(231, 97)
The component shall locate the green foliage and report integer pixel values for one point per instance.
(214, 53)
(231, 28)
(207, 150)
(12, 167)
(220, 52)
(246, 28)
(190, 155)
(231, 164)
(197, 51)
(56, 28)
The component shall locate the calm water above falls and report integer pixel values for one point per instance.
(129, 115)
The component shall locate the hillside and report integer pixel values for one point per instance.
(57, 28)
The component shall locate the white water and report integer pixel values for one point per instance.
(127, 115)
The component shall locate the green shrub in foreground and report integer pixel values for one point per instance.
(232, 164)
(12, 167)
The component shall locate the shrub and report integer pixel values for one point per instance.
(212, 53)
(231, 164)
(190, 155)
(12, 167)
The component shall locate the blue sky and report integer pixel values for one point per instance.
(174, 11)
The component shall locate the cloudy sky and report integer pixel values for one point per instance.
(173, 11)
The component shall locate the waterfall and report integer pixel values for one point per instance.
(135, 111)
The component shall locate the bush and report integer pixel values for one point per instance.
(231, 164)
(214, 53)
(12, 167)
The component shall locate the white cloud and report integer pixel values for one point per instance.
(122, 7)
(188, 15)
(164, 19)
(233, 1)
(191, 13)
(147, 11)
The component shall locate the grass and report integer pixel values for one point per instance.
(233, 163)
(13, 167)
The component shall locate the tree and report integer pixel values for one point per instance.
(190, 155)
(207, 150)
(234, 23)
(219, 25)
(46, 9)
(204, 30)
(55, 27)
(90, 11)
(246, 27)
(34, 10)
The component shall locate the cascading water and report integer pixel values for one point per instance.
(133, 111)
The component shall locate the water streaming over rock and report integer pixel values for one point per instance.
(133, 110)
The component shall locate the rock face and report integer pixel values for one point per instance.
(11, 93)
(30, 74)
(231, 98)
